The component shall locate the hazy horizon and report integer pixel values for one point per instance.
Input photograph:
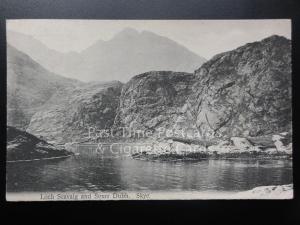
(203, 37)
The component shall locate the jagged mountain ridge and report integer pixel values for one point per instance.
(128, 53)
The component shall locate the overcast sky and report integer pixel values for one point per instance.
(204, 37)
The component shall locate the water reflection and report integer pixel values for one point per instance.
(108, 172)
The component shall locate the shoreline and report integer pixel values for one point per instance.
(30, 160)
(236, 147)
(224, 158)
(170, 159)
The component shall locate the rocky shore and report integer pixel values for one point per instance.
(22, 146)
(172, 149)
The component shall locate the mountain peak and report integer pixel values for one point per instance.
(275, 37)
(148, 32)
(132, 50)
(128, 31)
(268, 42)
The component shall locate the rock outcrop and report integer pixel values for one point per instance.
(70, 113)
(244, 92)
(153, 100)
(24, 146)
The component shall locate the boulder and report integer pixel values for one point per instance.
(282, 142)
(241, 143)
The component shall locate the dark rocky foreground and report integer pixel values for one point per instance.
(24, 146)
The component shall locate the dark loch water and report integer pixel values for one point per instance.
(116, 172)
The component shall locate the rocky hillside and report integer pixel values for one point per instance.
(68, 115)
(29, 87)
(24, 146)
(244, 92)
(128, 53)
(154, 99)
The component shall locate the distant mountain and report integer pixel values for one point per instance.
(50, 59)
(128, 53)
(29, 87)
(54, 107)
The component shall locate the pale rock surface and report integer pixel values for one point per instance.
(279, 140)
(268, 192)
(241, 143)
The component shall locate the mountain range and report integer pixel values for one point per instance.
(243, 92)
(127, 54)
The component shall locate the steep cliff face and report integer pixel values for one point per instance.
(154, 99)
(244, 92)
(70, 112)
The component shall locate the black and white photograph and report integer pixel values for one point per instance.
(148, 109)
